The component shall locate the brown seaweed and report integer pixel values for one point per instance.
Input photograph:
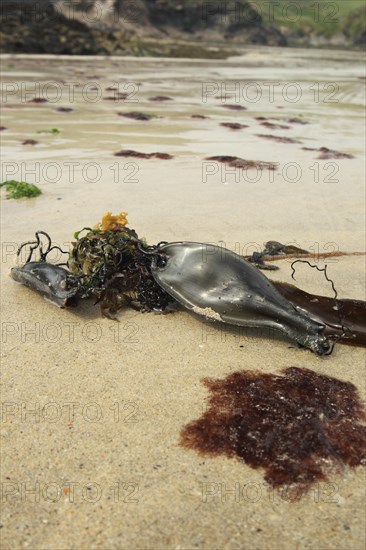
(273, 126)
(199, 116)
(273, 249)
(64, 109)
(293, 120)
(279, 139)
(234, 107)
(38, 100)
(288, 252)
(237, 162)
(131, 153)
(136, 115)
(300, 427)
(30, 142)
(344, 319)
(110, 265)
(117, 97)
(234, 125)
(137, 154)
(327, 154)
(160, 98)
(101, 259)
(162, 156)
(296, 121)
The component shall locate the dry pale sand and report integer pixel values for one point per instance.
(92, 409)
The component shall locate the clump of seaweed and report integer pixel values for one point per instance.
(326, 154)
(20, 189)
(137, 154)
(53, 131)
(299, 426)
(234, 107)
(233, 125)
(279, 139)
(30, 142)
(136, 115)
(237, 162)
(112, 264)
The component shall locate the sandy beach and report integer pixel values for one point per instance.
(92, 409)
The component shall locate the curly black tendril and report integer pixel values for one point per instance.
(345, 331)
(112, 266)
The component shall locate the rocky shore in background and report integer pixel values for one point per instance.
(126, 28)
(145, 28)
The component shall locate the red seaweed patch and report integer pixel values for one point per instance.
(234, 107)
(299, 427)
(160, 98)
(296, 121)
(137, 154)
(30, 142)
(237, 162)
(326, 154)
(38, 100)
(162, 156)
(233, 125)
(118, 96)
(279, 139)
(136, 115)
(273, 126)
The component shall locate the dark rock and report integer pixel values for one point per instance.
(37, 27)
(360, 39)
(30, 26)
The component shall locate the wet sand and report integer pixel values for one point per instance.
(92, 409)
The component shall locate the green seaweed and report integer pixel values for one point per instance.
(53, 131)
(112, 267)
(20, 189)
